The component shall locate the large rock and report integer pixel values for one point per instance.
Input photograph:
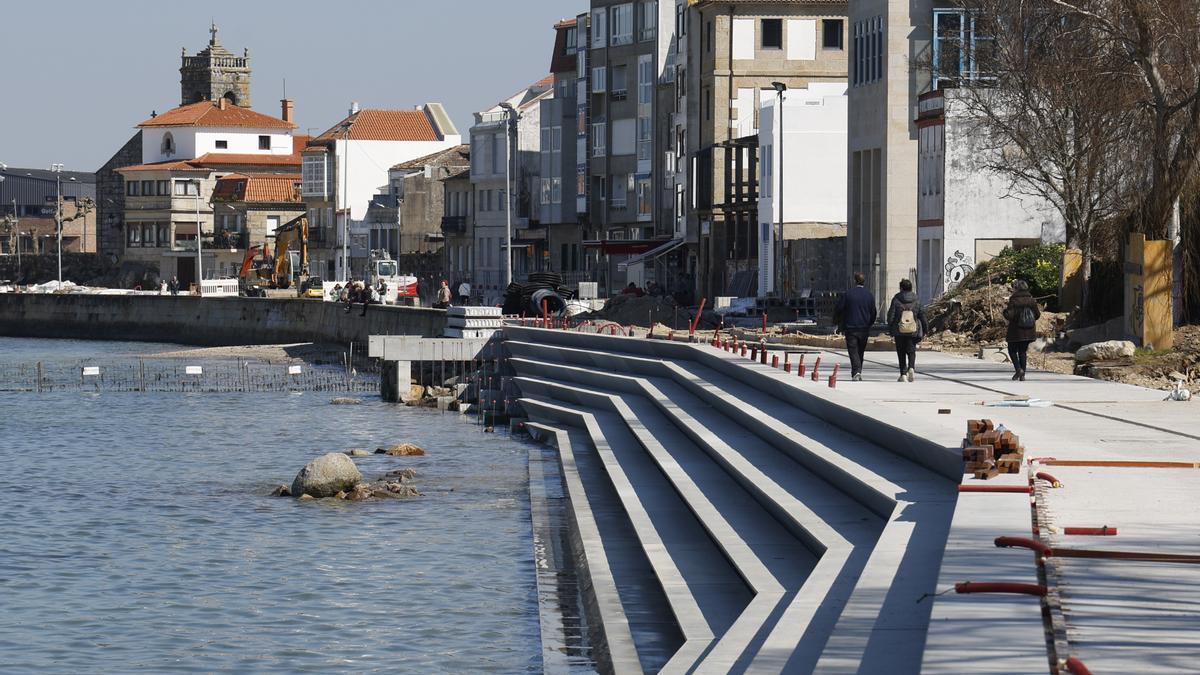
(326, 476)
(1111, 350)
(402, 450)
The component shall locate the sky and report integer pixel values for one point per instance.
(76, 77)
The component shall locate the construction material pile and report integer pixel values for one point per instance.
(977, 312)
(646, 310)
(542, 287)
(989, 451)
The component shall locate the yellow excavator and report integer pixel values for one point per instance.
(277, 272)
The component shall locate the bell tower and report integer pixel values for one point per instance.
(215, 73)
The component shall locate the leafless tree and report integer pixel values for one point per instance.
(1052, 116)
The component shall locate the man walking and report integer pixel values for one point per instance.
(855, 314)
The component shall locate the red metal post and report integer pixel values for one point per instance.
(800, 366)
(833, 377)
(816, 376)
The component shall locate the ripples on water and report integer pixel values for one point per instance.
(135, 535)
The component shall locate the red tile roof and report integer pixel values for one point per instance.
(373, 124)
(170, 165)
(240, 187)
(215, 114)
(459, 155)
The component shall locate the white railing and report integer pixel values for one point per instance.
(218, 288)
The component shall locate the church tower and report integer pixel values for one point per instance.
(215, 73)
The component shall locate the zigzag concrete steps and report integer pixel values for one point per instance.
(709, 573)
(833, 580)
(771, 566)
(854, 467)
(895, 432)
(615, 649)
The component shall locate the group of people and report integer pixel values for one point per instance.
(857, 312)
(358, 292)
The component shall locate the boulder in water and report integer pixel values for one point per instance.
(326, 476)
(357, 452)
(281, 491)
(346, 400)
(402, 450)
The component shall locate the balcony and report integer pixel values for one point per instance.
(454, 224)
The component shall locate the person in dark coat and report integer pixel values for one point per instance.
(906, 323)
(855, 314)
(1022, 314)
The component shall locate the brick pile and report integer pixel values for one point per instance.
(988, 453)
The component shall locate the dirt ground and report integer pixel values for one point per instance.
(306, 352)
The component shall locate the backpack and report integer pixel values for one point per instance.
(907, 324)
(1026, 318)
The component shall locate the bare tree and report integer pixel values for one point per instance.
(1052, 116)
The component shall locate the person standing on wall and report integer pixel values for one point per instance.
(855, 314)
(443, 296)
(906, 323)
(1022, 314)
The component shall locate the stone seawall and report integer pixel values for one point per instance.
(208, 321)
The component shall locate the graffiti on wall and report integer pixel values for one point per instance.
(958, 266)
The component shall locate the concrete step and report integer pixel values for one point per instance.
(703, 591)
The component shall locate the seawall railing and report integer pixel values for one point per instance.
(180, 375)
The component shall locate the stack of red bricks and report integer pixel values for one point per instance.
(988, 453)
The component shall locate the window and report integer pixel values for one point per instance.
(645, 201)
(831, 34)
(164, 234)
(620, 192)
(545, 191)
(620, 82)
(572, 40)
(772, 33)
(264, 142)
(599, 28)
(555, 190)
(148, 188)
(867, 55)
(599, 133)
(163, 188)
(556, 139)
(645, 79)
(622, 24)
(131, 188)
(186, 188)
(649, 20)
(599, 81)
(709, 29)
(134, 235)
(312, 178)
(958, 49)
(500, 153)
(168, 144)
(222, 145)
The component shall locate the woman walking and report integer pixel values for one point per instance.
(906, 323)
(1022, 314)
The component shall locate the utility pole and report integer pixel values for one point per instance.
(509, 114)
(199, 245)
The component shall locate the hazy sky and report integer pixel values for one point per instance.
(76, 77)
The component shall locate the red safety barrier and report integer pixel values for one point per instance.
(1000, 587)
(1023, 542)
(800, 366)
(1054, 482)
(545, 313)
(774, 360)
(1076, 667)
(972, 487)
(764, 322)
(696, 321)
(1103, 531)
(833, 377)
(744, 350)
(816, 376)
(762, 355)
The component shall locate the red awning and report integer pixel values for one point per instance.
(623, 246)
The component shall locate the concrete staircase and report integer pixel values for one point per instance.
(730, 519)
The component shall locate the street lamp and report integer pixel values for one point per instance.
(199, 245)
(780, 88)
(510, 118)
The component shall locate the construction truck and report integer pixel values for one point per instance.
(400, 289)
(260, 271)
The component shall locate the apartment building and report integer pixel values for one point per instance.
(736, 51)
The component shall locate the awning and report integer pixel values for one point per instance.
(651, 254)
(622, 246)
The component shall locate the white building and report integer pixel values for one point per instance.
(966, 213)
(346, 166)
(489, 157)
(810, 166)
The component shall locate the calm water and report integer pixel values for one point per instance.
(136, 535)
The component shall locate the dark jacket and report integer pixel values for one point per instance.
(1012, 313)
(896, 309)
(856, 310)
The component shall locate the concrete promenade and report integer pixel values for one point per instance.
(786, 526)
(206, 321)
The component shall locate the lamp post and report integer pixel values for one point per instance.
(199, 245)
(780, 88)
(510, 117)
(57, 169)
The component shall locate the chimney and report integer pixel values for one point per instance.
(353, 107)
(224, 103)
(288, 107)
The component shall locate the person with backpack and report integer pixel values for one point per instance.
(1022, 315)
(906, 323)
(855, 314)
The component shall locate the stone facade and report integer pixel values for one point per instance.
(110, 198)
(215, 73)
